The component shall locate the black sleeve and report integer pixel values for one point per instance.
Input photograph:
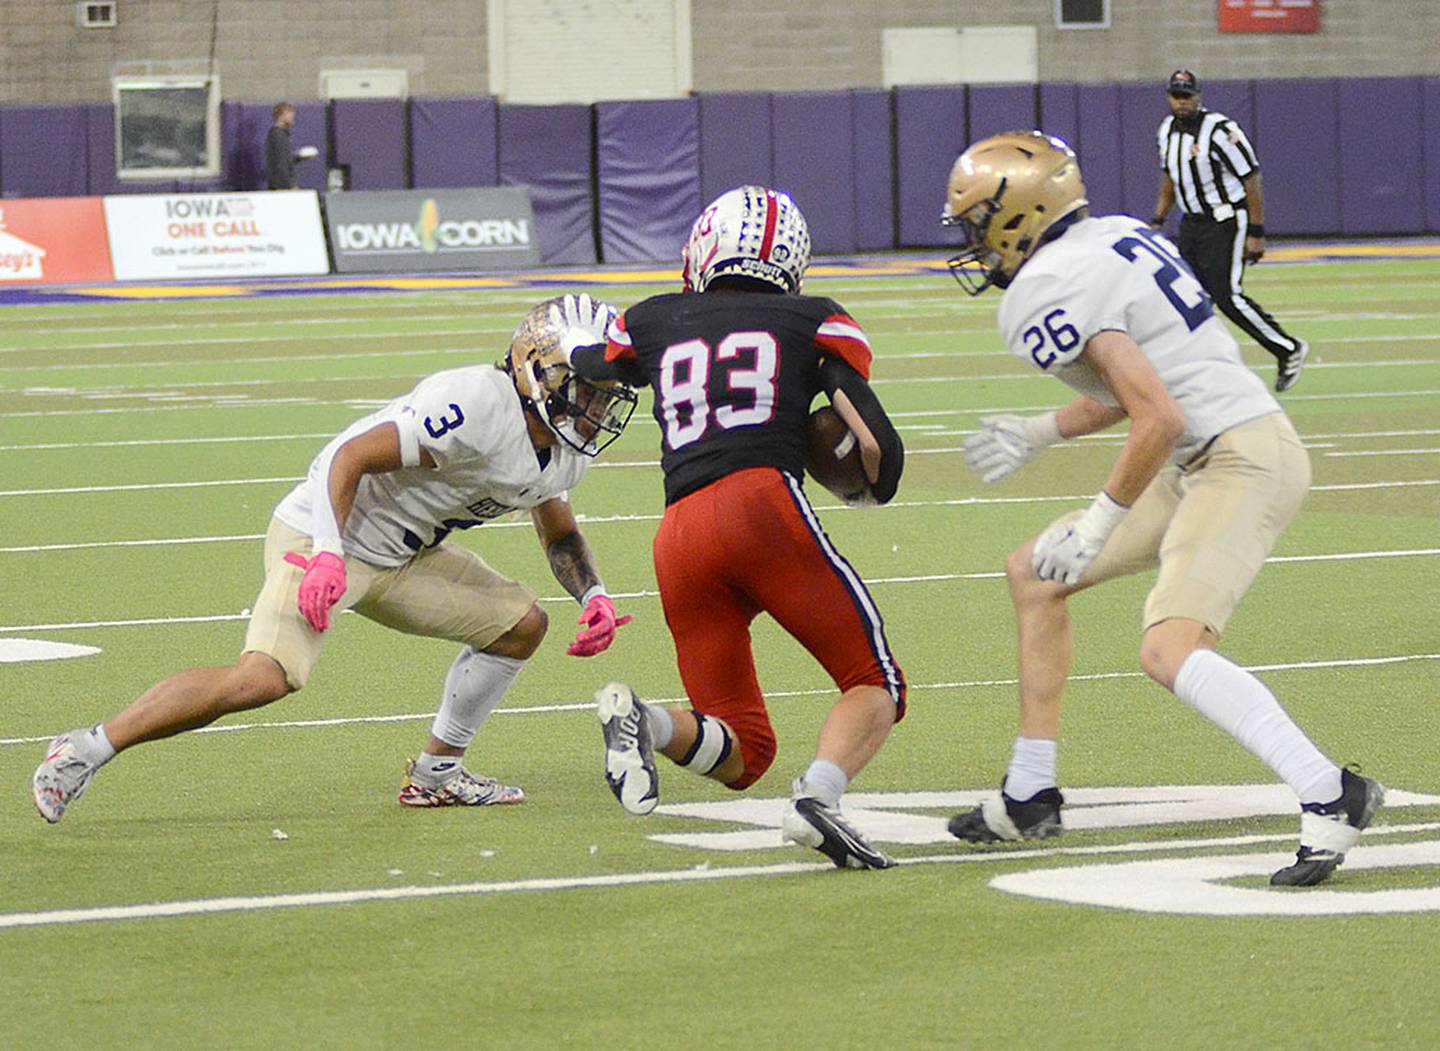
(837, 375)
(589, 363)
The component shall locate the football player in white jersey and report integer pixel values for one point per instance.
(1210, 474)
(363, 531)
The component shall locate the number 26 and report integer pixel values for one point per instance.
(1062, 336)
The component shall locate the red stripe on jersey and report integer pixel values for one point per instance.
(841, 336)
(617, 341)
(772, 215)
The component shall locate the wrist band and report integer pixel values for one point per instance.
(1256, 230)
(595, 592)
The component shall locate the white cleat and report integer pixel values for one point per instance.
(61, 779)
(809, 822)
(629, 754)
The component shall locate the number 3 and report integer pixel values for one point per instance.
(446, 424)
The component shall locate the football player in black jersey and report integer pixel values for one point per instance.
(735, 361)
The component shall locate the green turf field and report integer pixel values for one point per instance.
(143, 445)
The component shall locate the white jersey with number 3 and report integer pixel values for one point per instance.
(1115, 273)
(471, 422)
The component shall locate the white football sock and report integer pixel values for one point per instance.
(432, 771)
(825, 781)
(1032, 767)
(662, 725)
(93, 745)
(474, 687)
(1242, 706)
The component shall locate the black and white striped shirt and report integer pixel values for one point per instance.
(1207, 161)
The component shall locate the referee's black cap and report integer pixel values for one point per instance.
(1183, 82)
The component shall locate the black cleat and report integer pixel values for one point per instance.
(811, 823)
(629, 755)
(1333, 828)
(1288, 366)
(1035, 818)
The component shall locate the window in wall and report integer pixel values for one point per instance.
(167, 127)
(552, 51)
(1082, 14)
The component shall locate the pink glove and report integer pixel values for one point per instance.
(600, 624)
(322, 586)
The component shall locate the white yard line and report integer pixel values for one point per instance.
(327, 435)
(208, 404)
(972, 501)
(930, 578)
(770, 695)
(1388, 452)
(697, 874)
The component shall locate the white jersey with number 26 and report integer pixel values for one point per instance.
(471, 422)
(1114, 273)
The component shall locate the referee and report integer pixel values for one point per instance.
(1208, 167)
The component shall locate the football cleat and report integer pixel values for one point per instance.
(629, 754)
(1004, 819)
(1328, 830)
(1287, 367)
(61, 778)
(811, 823)
(462, 789)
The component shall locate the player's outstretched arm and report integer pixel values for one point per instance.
(574, 567)
(881, 449)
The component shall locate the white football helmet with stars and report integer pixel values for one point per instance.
(751, 232)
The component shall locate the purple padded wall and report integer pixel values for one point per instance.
(369, 136)
(1100, 146)
(814, 158)
(546, 149)
(42, 151)
(872, 170)
(1430, 162)
(1379, 171)
(1298, 156)
(1234, 98)
(245, 133)
(452, 143)
(1001, 107)
(649, 178)
(1142, 108)
(312, 122)
(929, 135)
(736, 144)
(1060, 112)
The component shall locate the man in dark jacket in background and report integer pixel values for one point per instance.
(279, 157)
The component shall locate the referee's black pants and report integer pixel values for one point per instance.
(1215, 251)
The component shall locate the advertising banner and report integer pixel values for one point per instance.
(54, 239)
(1269, 16)
(408, 230)
(270, 233)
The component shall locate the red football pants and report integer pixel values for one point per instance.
(747, 544)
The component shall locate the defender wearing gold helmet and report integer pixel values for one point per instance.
(365, 531)
(1210, 474)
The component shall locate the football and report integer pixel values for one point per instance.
(832, 456)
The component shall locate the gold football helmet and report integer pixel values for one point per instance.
(586, 415)
(1005, 192)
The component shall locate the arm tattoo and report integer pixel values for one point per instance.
(572, 564)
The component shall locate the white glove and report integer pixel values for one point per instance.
(1004, 444)
(304, 153)
(584, 321)
(1064, 551)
